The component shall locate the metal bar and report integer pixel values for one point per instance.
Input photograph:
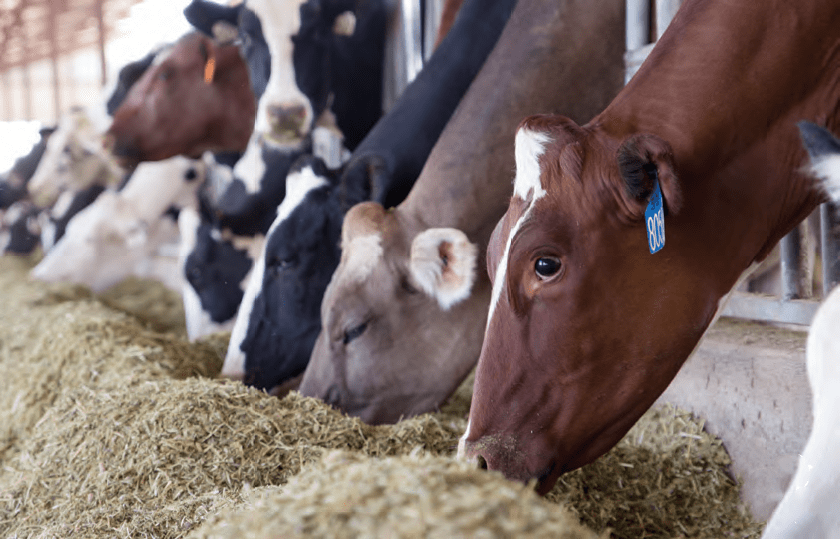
(665, 11)
(791, 254)
(829, 229)
(412, 37)
(8, 110)
(637, 24)
(770, 309)
(27, 92)
(52, 26)
(99, 10)
(431, 24)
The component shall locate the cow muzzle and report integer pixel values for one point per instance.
(289, 122)
(504, 454)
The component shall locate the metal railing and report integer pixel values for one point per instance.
(795, 303)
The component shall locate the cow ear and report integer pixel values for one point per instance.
(644, 160)
(442, 264)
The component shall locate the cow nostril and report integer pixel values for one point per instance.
(482, 462)
(333, 396)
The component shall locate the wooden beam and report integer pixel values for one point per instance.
(100, 25)
(8, 113)
(52, 27)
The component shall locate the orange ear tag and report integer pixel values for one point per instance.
(209, 70)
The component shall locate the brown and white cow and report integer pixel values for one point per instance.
(586, 327)
(196, 96)
(403, 317)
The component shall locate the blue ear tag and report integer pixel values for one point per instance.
(655, 220)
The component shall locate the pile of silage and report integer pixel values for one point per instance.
(57, 338)
(350, 495)
(667, 477)
(112, 429)
(153, 459)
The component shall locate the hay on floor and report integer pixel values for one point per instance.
(111, 425)
(352, 495)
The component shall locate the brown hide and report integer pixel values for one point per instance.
(195, 97)
(387, 349)
(590, 328)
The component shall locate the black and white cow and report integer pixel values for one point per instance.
(132, 231)
(305, 59)
(13, 183)
(220, 245)
(221, 240)
(279, 318)
(65, 171)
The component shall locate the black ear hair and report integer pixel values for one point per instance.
(639, 175)
(644, 160)
(364, 178)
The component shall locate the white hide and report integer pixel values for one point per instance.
(280, 19)
(298, 185)
(529, 146)
(809, 508)
(442, 264)
(74, 158)
(126, 233)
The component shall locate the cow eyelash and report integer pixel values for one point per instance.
(354, 333)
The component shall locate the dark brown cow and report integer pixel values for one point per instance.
(196, 96)
(586, 327)
(403, 317)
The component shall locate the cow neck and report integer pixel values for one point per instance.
(467, 180)
(727, 100)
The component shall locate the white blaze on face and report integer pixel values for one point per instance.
(280, 19)
(251, 168)
(298, 185)
(530, 145)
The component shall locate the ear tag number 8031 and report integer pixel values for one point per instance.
(655, 220)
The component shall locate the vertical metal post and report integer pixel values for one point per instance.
(8, 111)
(431, 23)
(413, 38)
(636, 33)
(829, 229)
(637, 24)
(27, 91)
(791, 254)
(52, 28)
(665, 11)
(100, 26)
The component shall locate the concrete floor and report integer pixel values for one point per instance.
(750, 384)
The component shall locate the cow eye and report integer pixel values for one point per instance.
(354, 333)
(547, 267)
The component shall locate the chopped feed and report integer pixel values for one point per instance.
(110, 427)
(351, 495)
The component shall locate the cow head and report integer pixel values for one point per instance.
(194, 97)
(279, 317)
(394, 277)
(219, 245)
(338, 55)
(120, 232)
(586, 327)
(285, 115)
(73, 160)
(209, 18)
